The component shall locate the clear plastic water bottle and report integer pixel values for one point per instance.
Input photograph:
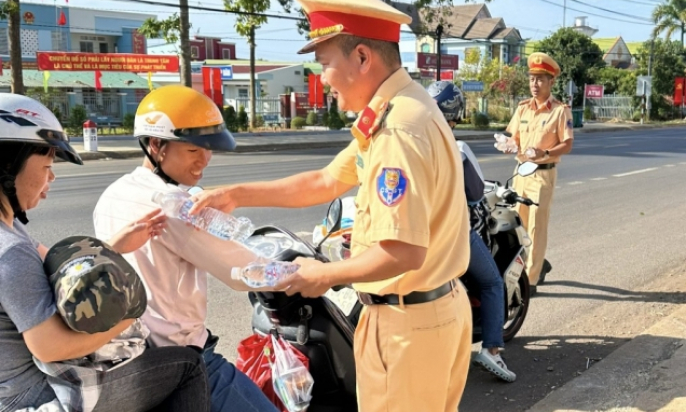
(504, 144)
(213, 221)
(264, 273)
(530, 153)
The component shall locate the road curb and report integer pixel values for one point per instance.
(633, 375)
(128, 153)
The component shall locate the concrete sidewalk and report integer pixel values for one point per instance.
(121, 147)
(647, 374)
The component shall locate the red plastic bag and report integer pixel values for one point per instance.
(252, 361)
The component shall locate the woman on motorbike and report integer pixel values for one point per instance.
(158, 379)
(482, 268)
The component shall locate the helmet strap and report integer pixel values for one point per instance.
(157, 168)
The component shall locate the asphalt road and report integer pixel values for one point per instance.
(616, 245)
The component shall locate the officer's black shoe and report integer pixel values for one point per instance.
(547, 267)
(532, 290)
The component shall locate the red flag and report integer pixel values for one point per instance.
(0, 66)
(63, 19)
(98, 75)
(679, 84)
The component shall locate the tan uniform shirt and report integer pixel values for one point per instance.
(541, 127)
(409, 169)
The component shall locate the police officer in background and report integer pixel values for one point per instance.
(542, 131)
(413, 341)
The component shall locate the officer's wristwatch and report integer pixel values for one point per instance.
(547, 154)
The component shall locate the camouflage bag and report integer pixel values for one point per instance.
(95, 287)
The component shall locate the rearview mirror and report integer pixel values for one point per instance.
(333, 219)
(527, 169)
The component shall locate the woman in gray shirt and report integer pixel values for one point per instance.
(171, 379)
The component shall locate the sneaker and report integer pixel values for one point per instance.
(495, 365)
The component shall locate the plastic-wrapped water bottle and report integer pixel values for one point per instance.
(264, 273)
(501, 143)
(213, 221)
(530, 153)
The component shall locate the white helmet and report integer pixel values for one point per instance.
(26, 124)
(23, 119)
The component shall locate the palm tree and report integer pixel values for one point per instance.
(670, 17)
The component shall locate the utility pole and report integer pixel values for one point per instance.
(252, 77)
(439, 33)
(564, 15)
(650, 73)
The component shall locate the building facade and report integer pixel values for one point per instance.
(48, 28)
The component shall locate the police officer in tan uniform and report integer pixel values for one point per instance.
(542, 130)
(410, 239)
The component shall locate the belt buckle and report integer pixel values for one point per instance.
(365, 298)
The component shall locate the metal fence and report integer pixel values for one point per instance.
(611, 107)
(56, 101)
(102, 104)
(267, 107)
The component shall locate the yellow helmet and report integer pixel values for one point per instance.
(180, 113)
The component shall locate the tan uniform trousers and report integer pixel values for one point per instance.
(538, 187)
(414, 358)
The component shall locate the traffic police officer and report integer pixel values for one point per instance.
(542, 129)
(410, 239)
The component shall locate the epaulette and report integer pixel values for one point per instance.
(370, 120)
(525, 102)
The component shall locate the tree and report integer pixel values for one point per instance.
(619, 81)
(173, 29)
(245, 26)
(670, 17)
(667, 64)
(576, 54)
(10, 10)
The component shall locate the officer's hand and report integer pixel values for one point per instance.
(538, 153)
(310, 280)
(220, 199)
(136, 234)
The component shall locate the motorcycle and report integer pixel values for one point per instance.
(315, 326)
(509, 243)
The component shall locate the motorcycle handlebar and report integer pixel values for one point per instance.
(525, 201)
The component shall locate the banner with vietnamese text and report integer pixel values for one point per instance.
(107, 62)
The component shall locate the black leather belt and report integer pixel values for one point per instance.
(546, 166)
(413, 298)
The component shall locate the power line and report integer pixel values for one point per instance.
(642, 3)
(599, 15)
(190, 7)
(612, 11)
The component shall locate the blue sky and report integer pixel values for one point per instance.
(536, 19)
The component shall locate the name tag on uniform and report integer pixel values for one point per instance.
(524, 122)
(360, 161)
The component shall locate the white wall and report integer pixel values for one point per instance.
(274, 82)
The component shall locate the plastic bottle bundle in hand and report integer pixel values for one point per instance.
(213, 221)
(502, 143)
(530, 153)
(264, 273)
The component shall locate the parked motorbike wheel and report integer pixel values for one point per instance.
(517, 313)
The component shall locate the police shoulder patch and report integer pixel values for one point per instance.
(391, 186)
(569, 124)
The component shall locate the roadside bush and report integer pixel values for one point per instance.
(479, 120)
(128, 122)
(242, 120)
(298, 123)
(231, 119)
(259, 120)
(311, 119)
(77, 117)
(334, 121)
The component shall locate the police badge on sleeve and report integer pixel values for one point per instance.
(391, 186)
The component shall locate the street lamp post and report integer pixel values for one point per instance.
(439, 33)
